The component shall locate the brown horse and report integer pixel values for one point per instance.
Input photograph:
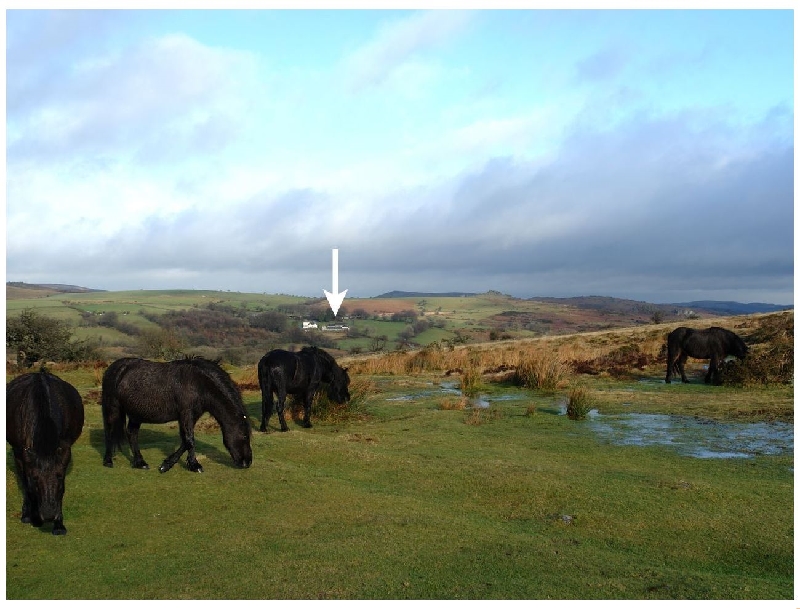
(713, 343)
(44, 418)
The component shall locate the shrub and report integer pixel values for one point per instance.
(34, 337)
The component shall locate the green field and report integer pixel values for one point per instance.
(409, 498)
(459, 319)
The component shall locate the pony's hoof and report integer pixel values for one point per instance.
(263, 429)
(108, 464)
(164, 468)
(59, 530)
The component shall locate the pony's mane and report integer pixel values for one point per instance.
(319, 353)
(220, 379)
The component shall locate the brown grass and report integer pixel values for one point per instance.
(549, 362)
(453, 403)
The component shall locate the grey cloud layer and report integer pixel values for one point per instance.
(655, 206)
(614, 209)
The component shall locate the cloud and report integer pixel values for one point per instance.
(603, 65)
(158, 99)
(397, 45)
(656, 205)
(171, 163)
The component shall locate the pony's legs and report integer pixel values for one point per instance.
(137, 460)
(30, 509)
(712, 368)
(281, 405)
(112, 425)
(187, 444)
(266, 404)
(670, 365)
(58, 527)
(309, 397)
(680, 364)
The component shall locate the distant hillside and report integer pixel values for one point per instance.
(624, 306)
(20, 289)
(399, 294)
(734, 308)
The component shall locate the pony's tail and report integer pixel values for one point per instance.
(49, 422)
(113, 415)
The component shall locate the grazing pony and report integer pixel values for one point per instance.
(44, 418)
(713, 343)
(284, 372)
(182, 390)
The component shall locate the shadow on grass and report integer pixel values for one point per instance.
(167, 440)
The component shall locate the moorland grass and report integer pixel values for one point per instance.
(412, 501)
(423, 498)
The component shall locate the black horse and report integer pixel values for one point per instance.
(713, 343)
(182, 390)
(300, 373)
(44, 418)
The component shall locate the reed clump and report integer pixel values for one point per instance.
(579, 403)
(326, 410)
(471, 382)
(453, 403)
(770, 360)
(543, 370)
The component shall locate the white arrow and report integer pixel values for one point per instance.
(335, 298)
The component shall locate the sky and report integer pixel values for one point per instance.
(635, 154)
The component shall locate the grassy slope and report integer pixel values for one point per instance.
(475, 315)
(412, 501)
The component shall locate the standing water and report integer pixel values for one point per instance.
(692, 437)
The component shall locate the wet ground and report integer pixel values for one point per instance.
(689, 436)
(695, 437)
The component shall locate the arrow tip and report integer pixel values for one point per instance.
(335, 300)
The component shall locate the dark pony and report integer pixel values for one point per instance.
(44, 418)
(284, 372)
(713, 343)
(182, 390)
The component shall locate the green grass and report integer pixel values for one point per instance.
(413, 502)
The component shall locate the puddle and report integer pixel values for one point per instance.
(694, 437)
(452, 388)
(689, 436)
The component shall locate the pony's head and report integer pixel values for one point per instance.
(739, 348)
(44, 475)
(338, 386)
(236, 437)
